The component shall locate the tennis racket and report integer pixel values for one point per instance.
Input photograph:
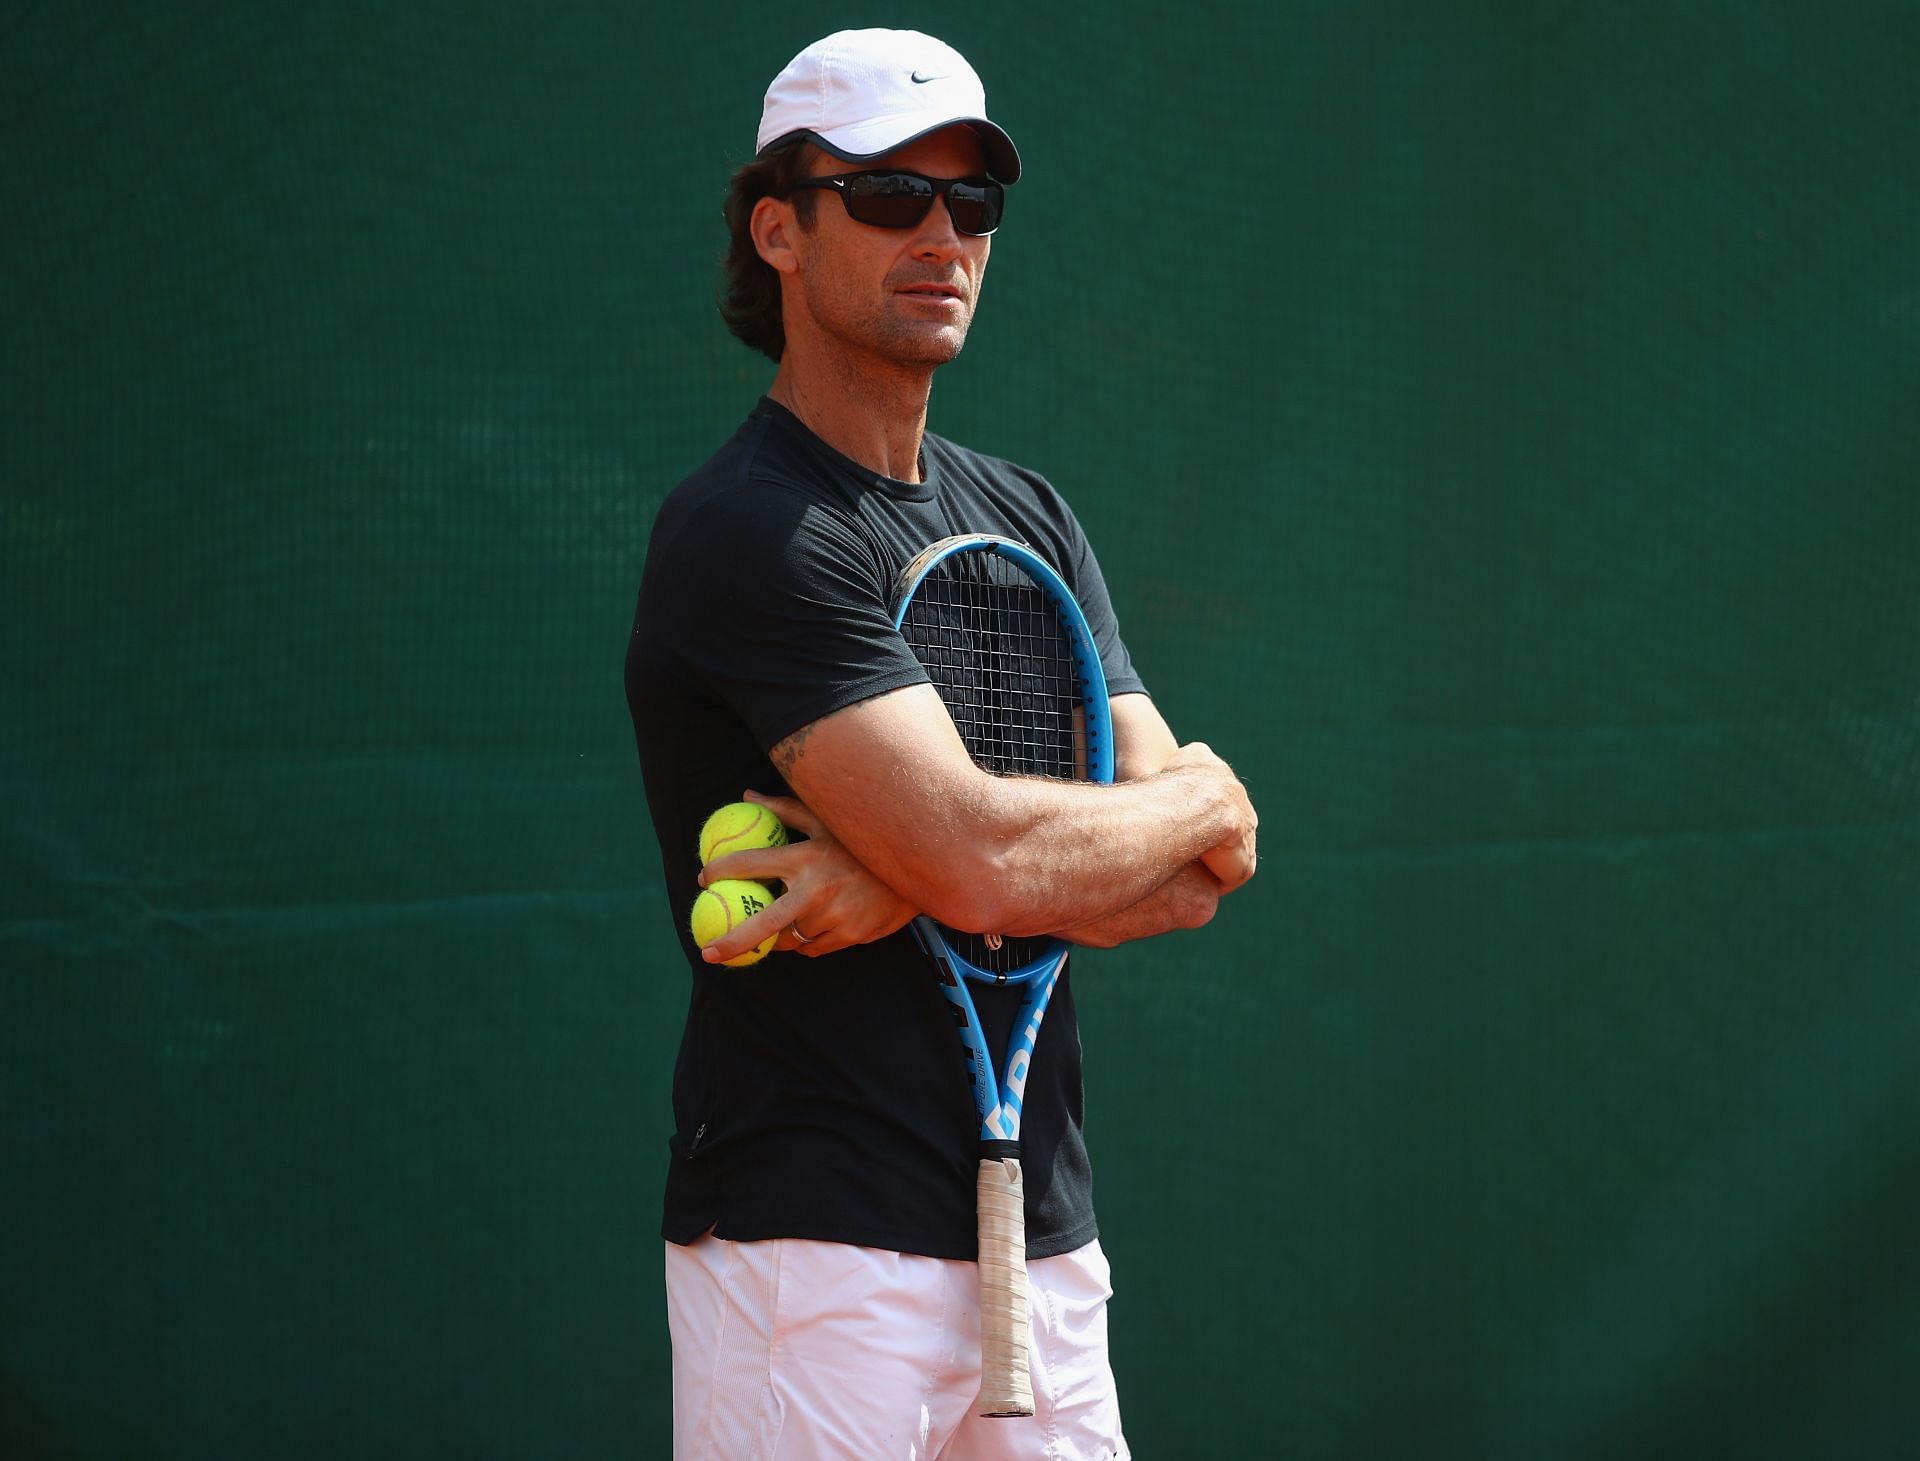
(1010, 653)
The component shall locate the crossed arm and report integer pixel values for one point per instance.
(899, 820)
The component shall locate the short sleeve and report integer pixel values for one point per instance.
(1073, 555)
(1090, 588)
(777, 604)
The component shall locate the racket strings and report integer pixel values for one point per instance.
(1003, 663)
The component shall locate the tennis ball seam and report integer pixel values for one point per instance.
(733, 901)
(760, 829)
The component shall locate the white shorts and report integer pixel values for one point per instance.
(796, 1350)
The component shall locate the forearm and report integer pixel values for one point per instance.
(1186, 900)
(1010, 855)
(1049, 855)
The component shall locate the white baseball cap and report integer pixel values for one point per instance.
(860, 93)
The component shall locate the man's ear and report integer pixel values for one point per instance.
(772, 228)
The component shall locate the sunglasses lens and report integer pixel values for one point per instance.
(975, 206)
(901, 200)
(889, 199)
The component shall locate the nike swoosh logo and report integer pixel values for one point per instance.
(919, 80)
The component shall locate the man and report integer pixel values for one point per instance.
(820, 1197)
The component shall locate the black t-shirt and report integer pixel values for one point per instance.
(827, 1098)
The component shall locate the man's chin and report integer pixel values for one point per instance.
(925, 347)
(930, 348)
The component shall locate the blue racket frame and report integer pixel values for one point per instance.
(998, 1102)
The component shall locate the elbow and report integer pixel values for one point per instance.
(968, 899)
(978, 893)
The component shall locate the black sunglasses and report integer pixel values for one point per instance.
(901, 199)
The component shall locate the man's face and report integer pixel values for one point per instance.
(905, 294)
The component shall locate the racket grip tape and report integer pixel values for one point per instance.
(1006, 1384)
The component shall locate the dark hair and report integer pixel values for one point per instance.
(750, 286)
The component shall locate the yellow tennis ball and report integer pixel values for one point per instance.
(725, 905)
(738, 826)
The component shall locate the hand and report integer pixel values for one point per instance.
(831, 898)
(1233, 859)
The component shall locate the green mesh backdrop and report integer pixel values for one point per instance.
(1498, 423)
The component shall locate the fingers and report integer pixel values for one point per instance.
(1233, 863)
(803, 877)
(750, 933)
(828, 902)
(782, 920)
(761, 864)
(1195, 753)
(797, 938)
(780, 868)
(1234, 859)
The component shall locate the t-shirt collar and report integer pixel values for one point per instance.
(921, 491)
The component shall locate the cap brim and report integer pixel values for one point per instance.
(863, 144)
